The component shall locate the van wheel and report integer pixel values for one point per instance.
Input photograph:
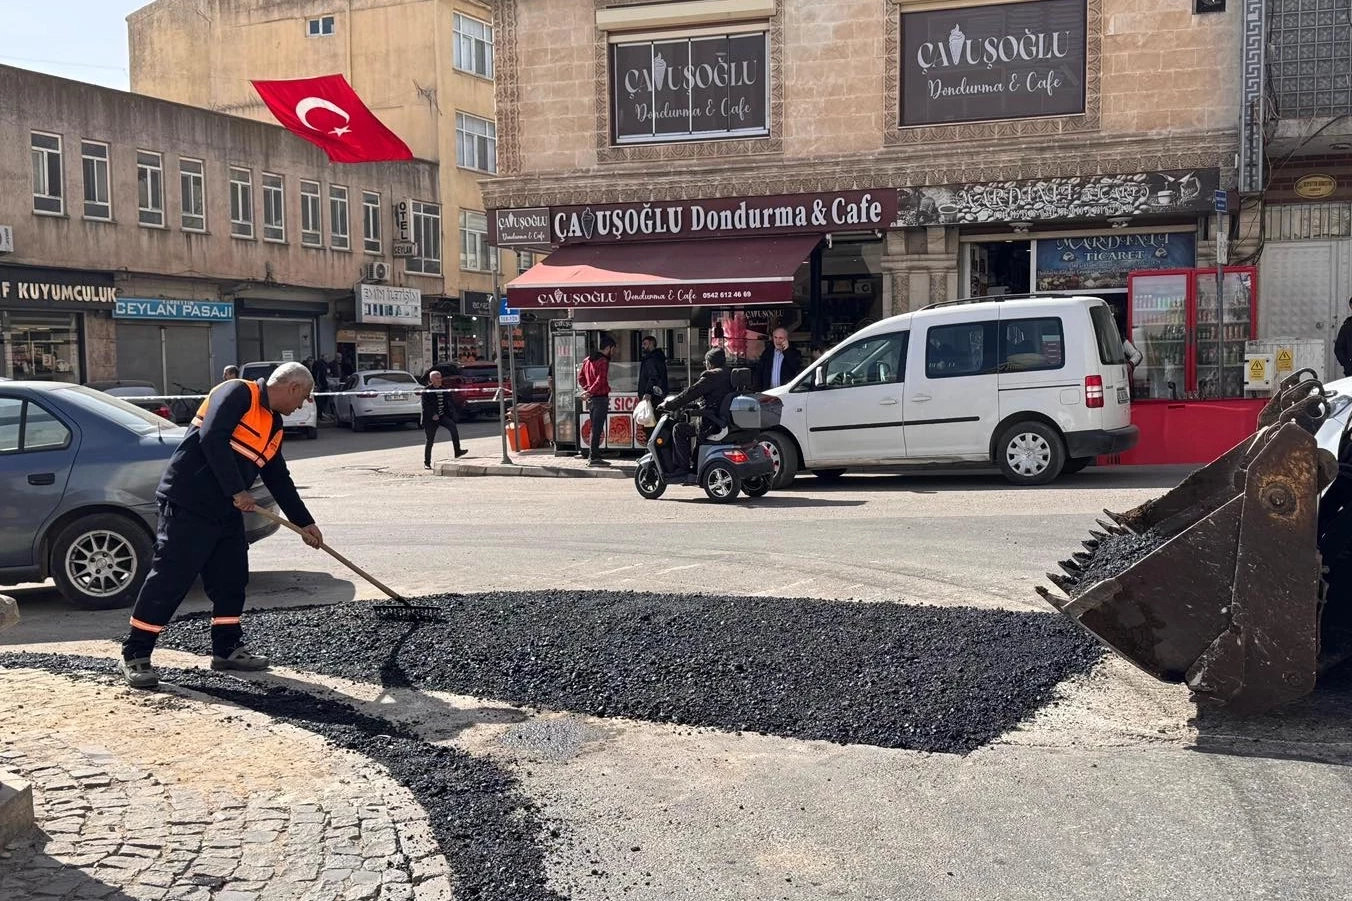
(1030, 453)
(1076, 464)
(782, 454)
(100, 561)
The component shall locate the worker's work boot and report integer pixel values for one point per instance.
(240, 659)
(139, 673)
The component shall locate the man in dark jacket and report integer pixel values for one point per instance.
(710, 389)
(1342, 346)
(438, 413)
(594, 379)
(235, 438)
(652, 372)
(779, 363)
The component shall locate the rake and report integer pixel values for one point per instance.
(404, 610)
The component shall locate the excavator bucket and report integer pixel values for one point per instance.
(1217, 584)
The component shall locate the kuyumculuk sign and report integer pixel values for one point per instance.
(1005, 61)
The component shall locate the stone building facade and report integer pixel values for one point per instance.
(426, 68)
(1146, 114)
(143, 239)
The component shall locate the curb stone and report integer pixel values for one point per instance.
(615, 471)
(16, 808)
(9, 612)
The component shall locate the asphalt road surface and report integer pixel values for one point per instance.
(1119, 789)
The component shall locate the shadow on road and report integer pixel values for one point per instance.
(46, 616)
(30, 873)
(932, 482)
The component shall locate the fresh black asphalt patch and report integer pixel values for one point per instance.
(491, 834)
(938, 679)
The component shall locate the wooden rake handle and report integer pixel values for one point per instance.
(281, 521)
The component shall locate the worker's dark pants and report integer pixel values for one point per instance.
(187, 545)
(430, 427)
(599, 408)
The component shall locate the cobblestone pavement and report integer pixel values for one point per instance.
(171, 796)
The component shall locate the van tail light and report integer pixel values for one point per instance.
(736, 456)
(1093, 391)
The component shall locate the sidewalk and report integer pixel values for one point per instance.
(175, 795)
(485, 459)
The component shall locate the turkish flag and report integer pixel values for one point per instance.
(326, 112)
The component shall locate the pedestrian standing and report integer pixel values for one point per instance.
(319, 371)
(1342, 346)
(594, 379)
(779, 363)
(235, 437)
(438, 412)
(652, 372)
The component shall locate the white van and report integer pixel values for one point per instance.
(306, 417)
(1038, 386)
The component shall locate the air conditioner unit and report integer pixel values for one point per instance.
(376, 272)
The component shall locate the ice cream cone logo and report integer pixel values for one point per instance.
(955, 43)
(659, 69)
(588, 222)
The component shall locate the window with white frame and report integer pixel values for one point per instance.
(192, 189)
(339, 236)
(150, 188)
(98, 202)
(370, 221)
(475, 254)
(274, 208)
(319, 27)
(48, 193)
(476, 143)
(524, 260)
(473, 46)
(311, 215)
(241, 203)
(427, 236)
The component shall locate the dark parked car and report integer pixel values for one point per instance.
(474, 387)
(532, 384)
(78, 471)
(136, 393)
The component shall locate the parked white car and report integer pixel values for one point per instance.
(1037, 386)
(379, 396)
(305, 419)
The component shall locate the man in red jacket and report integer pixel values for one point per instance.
(594, 378)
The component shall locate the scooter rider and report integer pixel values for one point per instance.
(713, 385)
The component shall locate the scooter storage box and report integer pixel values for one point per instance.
(750, 412)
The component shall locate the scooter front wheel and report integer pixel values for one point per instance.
(649, 481)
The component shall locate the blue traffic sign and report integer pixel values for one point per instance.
(1222, 201)
(507, 315)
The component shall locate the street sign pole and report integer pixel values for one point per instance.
(1222, 251)
(502, 394)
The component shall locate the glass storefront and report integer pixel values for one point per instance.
(41, 346)
(275, 339)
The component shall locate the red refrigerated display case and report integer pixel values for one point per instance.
(1188, 391)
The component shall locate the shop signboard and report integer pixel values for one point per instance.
(182, 310)
(1003, 61)
(1185, 191)
(688, 294)
(55, 288)
(774, 214)
(519, 228)
(388, 305)
(367, 341)
(690, 88)
(476, 303)
(1103, 261)
(6, 239)
(403, 221)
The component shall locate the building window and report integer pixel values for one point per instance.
(311, 215)
(475, 254)
(473, 46)
(427, 237)
(241, 203)
(193, 193)
(370, 221)
(47, 182)
(150, 188)
(321, 27)
(476, 143)
(274, 208)
(524, 260)
(338, 231)
(98, 202)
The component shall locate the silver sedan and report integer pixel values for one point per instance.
(378, 396)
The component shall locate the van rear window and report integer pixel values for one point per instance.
(1111, 352)
(1031, 345)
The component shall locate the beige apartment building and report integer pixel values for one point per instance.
(876, 155)
(426, 68)
(143, 239)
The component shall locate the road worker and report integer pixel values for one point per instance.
(235, 437)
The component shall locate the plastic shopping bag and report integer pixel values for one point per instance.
(644, 414)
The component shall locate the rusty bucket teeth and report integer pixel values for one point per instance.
(1110, 528)
(1060, 582)
(1055, 600)
(1097, 535)
(1091, 545)
(1081, 557)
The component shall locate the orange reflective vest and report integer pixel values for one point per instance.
(252, 439)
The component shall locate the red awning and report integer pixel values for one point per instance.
(714, 273)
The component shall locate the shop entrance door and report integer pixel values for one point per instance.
(273, 340)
